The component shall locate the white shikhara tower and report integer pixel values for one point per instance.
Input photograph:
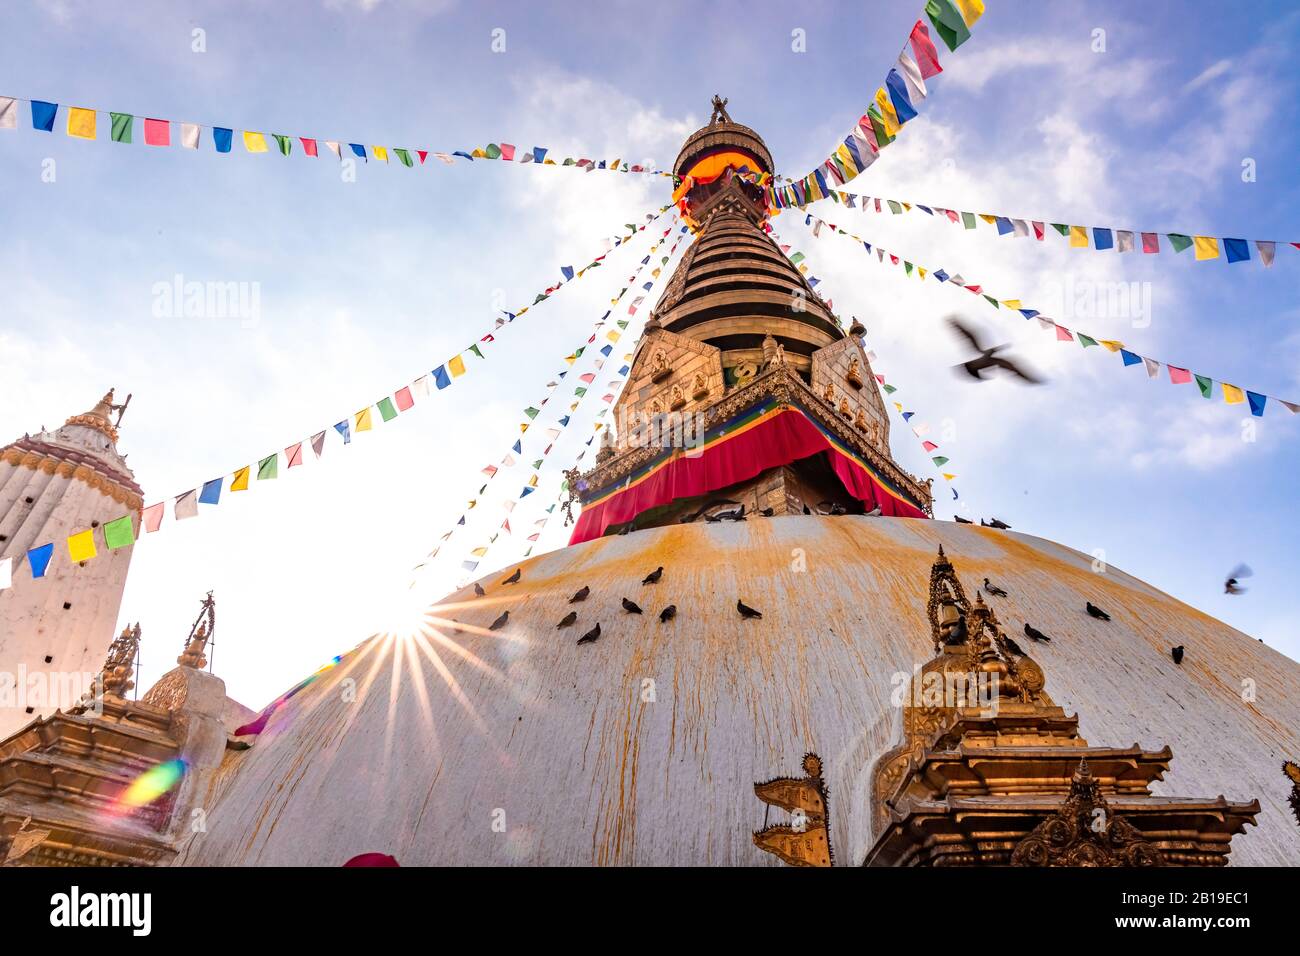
(56, 628)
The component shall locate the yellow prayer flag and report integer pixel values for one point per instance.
(898, 406)
(523, 427)
(991, 220)
(522, 311)
(1207, 247)
(918, 269)
(379, 152)
(240, 481)
(612, 336)
(532, 482)
(1232, 394)
(81, 123)
(1079, 237)
(254, 142)
(456, 366)
(570, 359)
(1112, 344)
(477, 153)
(1012, 303)
(362, 420)
(948, 477)
(479, 552)
(971, 10)
(887, 114)
(81, 546)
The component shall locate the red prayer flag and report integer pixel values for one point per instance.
(294, 454)
(1039, 231)
(924, 52)
(929, 445)
(402, 398)
(308, 146)
(1063, 334)
(423, 154)
(1150, 242)
(507, 152)
(157, 132)
(1179, 376)
(151, 518)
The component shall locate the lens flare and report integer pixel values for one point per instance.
(152, 784)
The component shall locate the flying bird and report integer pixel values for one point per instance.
(1177, 654)
(591, 636)
(514, 578)
(987, 358)
(478, 590)
(581, 595)
(499, 622)
(630, 607)
(567, 620)
(1230, 586)
(1034, 634)
(668, 613)
(747, 611)
(1097, 612)
(993, 589)
(654, 576)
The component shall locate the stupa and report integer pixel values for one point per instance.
(780, 716)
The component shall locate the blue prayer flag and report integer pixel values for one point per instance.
(211, 493)
(938, 273)
(440, 377)
(1028, 313)
(539, 153)
(564, 422)
(359, 150)
(526, 492)
(459, 152)
(1004, 226)
(1256, 403)
(43, 118)
(1129, 357)
(898, 96)
(1102, 238)
(516, 447)
(568, 272)
(606, 350)
(344, 429)
(39, 559)
(221, 138)
(1238, 250)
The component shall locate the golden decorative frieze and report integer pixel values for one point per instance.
(805, 841)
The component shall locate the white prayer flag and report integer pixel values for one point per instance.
(318, 443)
(912, 78)
(6, 573)
(420, 386)
(187, 505)
(1153, 367)
(1123, 241)
(334, 148)
(1021, 228)
(190, 135)
(8, 112)
(1266, 249)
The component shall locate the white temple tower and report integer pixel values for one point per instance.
(56, 629)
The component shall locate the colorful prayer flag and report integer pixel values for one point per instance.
(269, 467)
(39, 559)
(254, 142)
(119, 533)
(81, 123)
(157, 132)
(81, 546)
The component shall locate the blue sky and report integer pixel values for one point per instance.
(364, 285)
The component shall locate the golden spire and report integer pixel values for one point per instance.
(98, 417)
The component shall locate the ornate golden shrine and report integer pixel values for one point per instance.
(992, 772)
(806, 840)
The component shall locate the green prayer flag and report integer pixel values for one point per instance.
(907, 267)
(404, 156)
(939, 460)
(797, 258)
(474, 349)
(493, 151)
(1206, 385)
(122, 127)
(895, 206)
(537, 464)
(1062, 228)
(890, 389)
(567, 162)
(878, 125)
(268, 467)
(531, 412)
(386, 409)
(968, 220)
(1179, 241)
(285, 143)
(1085, 340)
(580, 391)
(948, 22)
(621, 323)
(992, 301)
(119, 533)
(540, 298)
(578, 353)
